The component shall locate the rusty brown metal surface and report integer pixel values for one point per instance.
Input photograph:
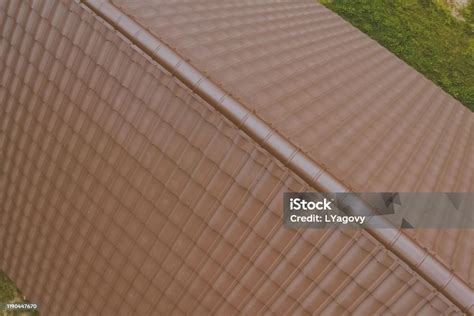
(124, 193)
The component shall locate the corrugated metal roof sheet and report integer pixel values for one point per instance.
(122, 192)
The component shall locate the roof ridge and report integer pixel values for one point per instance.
(418, 258)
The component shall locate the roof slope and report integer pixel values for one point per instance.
(104, 208)
(325, 85)
(352, 106)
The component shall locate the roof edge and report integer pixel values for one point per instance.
(419, 259)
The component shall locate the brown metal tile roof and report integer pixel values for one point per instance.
(122, 192)
(353, 107)
(320, 82)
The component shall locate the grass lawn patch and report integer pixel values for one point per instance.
(10, 294)
(424, 34)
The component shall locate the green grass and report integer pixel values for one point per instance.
(424, 34)
(468, 14)
(10, 294)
